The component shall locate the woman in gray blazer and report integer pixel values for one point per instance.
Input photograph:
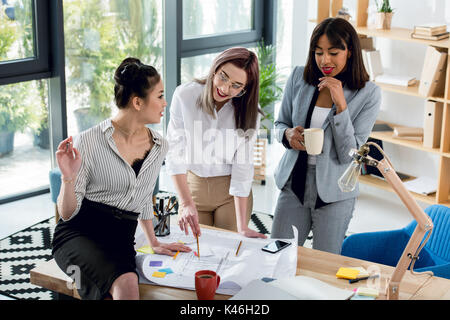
(332, 92)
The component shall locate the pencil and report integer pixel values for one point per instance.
(239, 247)
(198, 249)
(175, 256)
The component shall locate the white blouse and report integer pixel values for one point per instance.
(208, 146)
(107, 178)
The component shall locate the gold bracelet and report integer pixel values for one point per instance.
(67, 180)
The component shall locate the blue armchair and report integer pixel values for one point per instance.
(386, 247)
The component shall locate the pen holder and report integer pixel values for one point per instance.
(162, 228)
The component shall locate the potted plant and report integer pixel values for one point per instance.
(15, 114)
(41, 132)
(384, 15)
(269, 87)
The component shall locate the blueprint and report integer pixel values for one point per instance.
(217, 253)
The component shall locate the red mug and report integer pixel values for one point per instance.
(206, 284)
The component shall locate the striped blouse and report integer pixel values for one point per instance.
(106, 177)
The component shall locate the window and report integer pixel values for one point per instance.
(24, 39)
(98, 36)
(16, 30)
(25, 158)
(196, 67)
(217, 17)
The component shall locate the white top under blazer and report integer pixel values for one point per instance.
(209, 146)
(318, 118)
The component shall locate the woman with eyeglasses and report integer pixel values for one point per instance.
(212, 131)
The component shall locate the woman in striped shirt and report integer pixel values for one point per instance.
(108, 181)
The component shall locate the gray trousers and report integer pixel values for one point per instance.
(328, 223)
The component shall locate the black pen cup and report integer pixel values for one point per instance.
(162, 227)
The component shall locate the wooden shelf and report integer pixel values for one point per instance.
(410, 90)
(418, 145)
(382, 184)
(401, 34)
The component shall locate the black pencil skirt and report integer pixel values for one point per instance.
(95, 247)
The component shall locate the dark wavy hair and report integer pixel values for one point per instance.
(133, 78)
(341, 34)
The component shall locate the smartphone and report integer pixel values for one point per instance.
(276, 246)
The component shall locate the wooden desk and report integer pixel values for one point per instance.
(312, 263)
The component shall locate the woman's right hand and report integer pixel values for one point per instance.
(68, 159)
(295, 138)
(189, 217)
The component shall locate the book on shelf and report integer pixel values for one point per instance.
(433, 124)
(436, 37)
(403, 131)
(430, 29)
(373, 63)
(374, 66)
(432, 79)
(398, 80)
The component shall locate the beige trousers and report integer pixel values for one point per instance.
(214, 203)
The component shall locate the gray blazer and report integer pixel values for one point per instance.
(349, 129)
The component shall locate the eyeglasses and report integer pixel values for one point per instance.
(223, 79)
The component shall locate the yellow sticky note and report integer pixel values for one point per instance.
(347, 273)
(146, 249)
(362, 272)
(368, 292)
(158, 274)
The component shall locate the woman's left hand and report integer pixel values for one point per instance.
(170, 249)
(336, 91)
(249, 233)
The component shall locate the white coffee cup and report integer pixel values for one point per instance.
(313, 140)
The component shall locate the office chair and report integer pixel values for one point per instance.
(386, 247)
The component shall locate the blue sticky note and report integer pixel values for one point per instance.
(167, 271)
(156, 263)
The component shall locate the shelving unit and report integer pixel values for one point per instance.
(442, 196)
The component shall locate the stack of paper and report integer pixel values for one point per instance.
(422, 185)
(397, 80)
(297, 288)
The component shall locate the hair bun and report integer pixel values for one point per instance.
(127, 73)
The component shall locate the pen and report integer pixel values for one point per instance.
(221, 261)
(198, 249)
(239, 247)
(175, 256)
(161, 206)
(363, 278)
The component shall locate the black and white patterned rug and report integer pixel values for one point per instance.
(21, 252)
(24, 250)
